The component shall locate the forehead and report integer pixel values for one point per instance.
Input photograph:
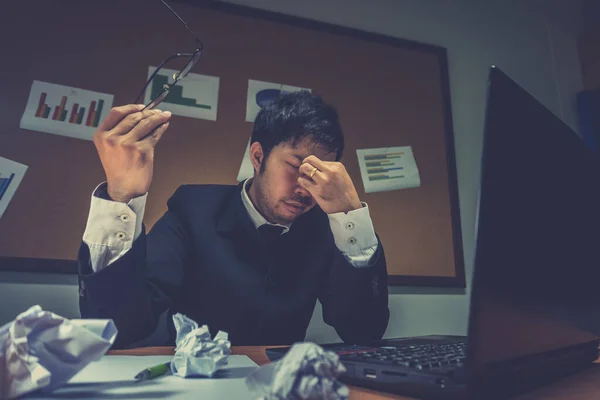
(304, 148)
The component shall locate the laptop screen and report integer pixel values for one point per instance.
(536, 282)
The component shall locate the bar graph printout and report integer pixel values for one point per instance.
(64, 110)
(196, 96)
(261, 93)
(11, 175)
(388, 168)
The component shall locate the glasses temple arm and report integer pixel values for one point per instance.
(183, 22)
(158, 69)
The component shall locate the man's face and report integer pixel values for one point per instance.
(275, 190)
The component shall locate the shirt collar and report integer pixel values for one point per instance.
(256, 217)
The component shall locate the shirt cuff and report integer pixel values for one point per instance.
(112, 225)
(354, 235)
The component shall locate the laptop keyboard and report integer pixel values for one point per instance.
(421, 356)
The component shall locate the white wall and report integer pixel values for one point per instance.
(531, 40)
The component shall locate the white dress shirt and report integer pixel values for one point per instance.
(113, 226)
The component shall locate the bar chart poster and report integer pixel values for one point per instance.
(388, 168)
(64, 110)
(195, 96)
(261, 93)
(11, 175)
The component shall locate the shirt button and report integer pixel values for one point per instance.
(349, 225)
(124, 217)
(352, 240)
(121, 235)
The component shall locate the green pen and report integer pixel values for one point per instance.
(153, 372)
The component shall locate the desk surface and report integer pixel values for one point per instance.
(583, 386)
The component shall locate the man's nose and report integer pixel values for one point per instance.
(302, 192)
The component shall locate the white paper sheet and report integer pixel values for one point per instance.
(11, 175)
(307, 371)
(65, 110)
(197, 353)
(388, 168)
(40, 350)
(196, 96)
(246, 168)
(260, 92)
(112, 377)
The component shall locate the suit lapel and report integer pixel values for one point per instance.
(233, 218)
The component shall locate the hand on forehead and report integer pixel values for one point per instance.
(307, 147)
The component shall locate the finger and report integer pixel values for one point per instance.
(116, 115)
(307, 184)
(153, 137)
(146, 126)
(307, 169)
(317, 162)
(130, 121)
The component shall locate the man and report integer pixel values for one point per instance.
(250, 259)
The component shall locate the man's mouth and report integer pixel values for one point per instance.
(295, 207)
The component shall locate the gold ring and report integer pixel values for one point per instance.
(314, 171)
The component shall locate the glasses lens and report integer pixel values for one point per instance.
(158, 99)
(190, 64)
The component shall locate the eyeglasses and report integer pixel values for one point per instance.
(178, 76)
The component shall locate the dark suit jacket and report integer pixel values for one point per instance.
(205, 259)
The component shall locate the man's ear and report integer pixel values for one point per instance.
(256, 156)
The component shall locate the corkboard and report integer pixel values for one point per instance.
(389, 92)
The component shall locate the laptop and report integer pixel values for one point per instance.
(535, 303)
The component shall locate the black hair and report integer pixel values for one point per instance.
(294, 116)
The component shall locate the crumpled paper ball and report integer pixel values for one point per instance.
(42, 350)
(196, 353)
(306, 372)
